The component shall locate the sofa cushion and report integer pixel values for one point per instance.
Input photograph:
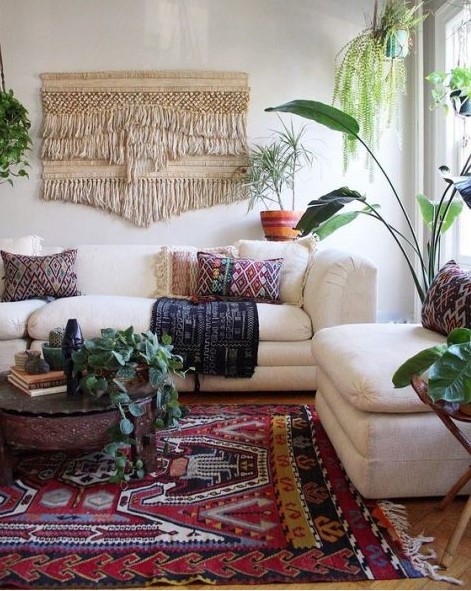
(447, 304)
(29, 245)
(297, 259)
(117, 269)
(177, 268)
(238, 278)
(360, 360)
(277, 323)
(14, 318)
(33, 277)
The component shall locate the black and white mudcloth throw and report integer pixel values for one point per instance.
(214, 337)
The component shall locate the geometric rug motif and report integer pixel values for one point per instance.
(243, 494)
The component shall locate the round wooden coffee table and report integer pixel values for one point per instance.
(61, 422)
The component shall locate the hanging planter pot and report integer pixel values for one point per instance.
(397, 44)
(461, 103)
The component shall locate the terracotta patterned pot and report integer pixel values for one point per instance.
(279, 225)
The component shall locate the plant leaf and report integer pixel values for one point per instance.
(322, 209)
(126, 426)
(459, 335)
(417, 364)
(321, 113)
(450, 376)
(426, 209)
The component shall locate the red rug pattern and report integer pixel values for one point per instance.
(244, 494)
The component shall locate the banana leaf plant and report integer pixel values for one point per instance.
(324, 216)
(448, 365)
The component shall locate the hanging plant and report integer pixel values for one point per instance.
(14, 134)
(370, 73)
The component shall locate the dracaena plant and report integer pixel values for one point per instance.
(108, 365)
(322, 215)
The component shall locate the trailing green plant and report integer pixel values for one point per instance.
(448, 366)
(452, 87)
(367, 83)
(109, 365)
(322, 218)
(14, 138)
(273, 167)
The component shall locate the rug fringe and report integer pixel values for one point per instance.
(412, 545)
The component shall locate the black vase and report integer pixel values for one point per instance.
(72, 341)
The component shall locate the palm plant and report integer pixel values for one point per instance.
(370, 72)
(273, 167)
(322, 217)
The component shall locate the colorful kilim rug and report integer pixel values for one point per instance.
(244, 495)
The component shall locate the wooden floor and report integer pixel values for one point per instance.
(424, 516)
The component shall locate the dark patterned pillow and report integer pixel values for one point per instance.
(28, 277)
(447, 304)
(238, 278)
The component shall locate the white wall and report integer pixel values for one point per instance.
(288, 49)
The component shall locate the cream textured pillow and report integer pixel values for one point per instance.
(27, 245)
(297, 259)
(177, 268)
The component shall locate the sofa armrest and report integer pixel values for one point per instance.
(340, 289)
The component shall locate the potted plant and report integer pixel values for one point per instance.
(52, 350)
(271, 175)
(452, 87)
(449, 370)
(113, 365)
(322, 215)
(370, 72)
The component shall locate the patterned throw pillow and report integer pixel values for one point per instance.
(177, 268)
(447, 304)
(28, 277)
(238, 278)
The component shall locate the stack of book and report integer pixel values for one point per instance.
(52, 382)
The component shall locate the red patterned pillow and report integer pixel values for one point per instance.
(28, 277)
(447, 304)
(238, 278)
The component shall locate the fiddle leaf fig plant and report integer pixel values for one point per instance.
(109, 364)
(448, 365)
(14, 138)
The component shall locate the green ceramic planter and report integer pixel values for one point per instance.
(54, 356)
(397, 44)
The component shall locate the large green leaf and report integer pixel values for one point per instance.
(426, 209)
(461, 183)
(459, 335)
(449, 211)
(417, 364)
(450, 376)
(321, 113)
(320, 210)
(339, 220)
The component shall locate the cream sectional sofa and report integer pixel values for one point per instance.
(390, 443)
(119, 284)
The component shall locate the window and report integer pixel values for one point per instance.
(454, 28)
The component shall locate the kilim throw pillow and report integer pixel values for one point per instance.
(238, 278)
(447, 304)
(177, 268)
(28, 277)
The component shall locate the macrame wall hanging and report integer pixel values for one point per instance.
(145, 145)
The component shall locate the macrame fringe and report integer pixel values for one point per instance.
(412, 546)
(147, 200)
(134, 136)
